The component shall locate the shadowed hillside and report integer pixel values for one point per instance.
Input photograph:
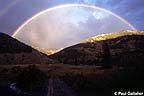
(13, 51)
(118, 48)
(120, 57)
(95, 67)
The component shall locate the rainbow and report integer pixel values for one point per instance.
(72, 5)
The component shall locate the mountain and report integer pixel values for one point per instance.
(113, 35)
(47, 51)
(13, 51)
(118, 48)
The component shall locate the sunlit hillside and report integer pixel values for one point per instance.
(113, 35)
(92, 51)
(47, 51)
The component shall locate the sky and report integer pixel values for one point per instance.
(15, 12)
(63, 26)
(81, 22)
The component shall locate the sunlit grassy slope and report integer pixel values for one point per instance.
(113, 35)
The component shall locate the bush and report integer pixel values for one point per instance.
(30, 79)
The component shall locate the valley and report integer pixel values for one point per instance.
(99, 65)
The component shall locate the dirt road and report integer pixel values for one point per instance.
(58, 87)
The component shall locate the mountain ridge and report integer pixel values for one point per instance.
(93, 50)
(112, 35)
(13, 51)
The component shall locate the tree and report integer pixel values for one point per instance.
(106, 56)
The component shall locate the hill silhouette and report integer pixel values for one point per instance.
(121, 47)
(119, 57)
(13, 51)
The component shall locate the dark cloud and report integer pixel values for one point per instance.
(131, 10)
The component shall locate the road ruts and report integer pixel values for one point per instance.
(50, 88)
(58, 87)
